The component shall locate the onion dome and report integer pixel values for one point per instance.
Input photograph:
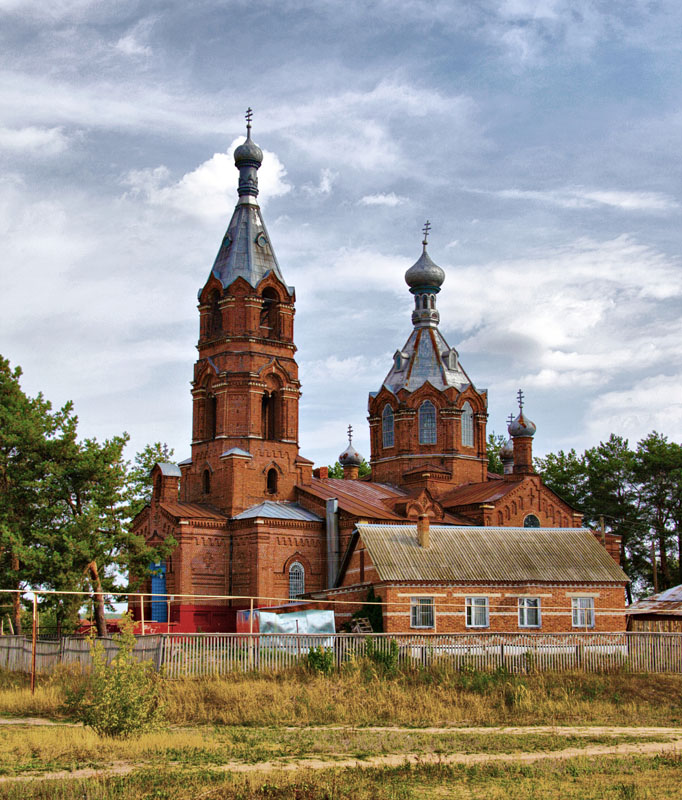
(522, 427)
(248, 152)
(350, 456)
(424, 274)
(507, 451)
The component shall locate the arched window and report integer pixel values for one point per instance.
(269, 315)
(531, 521)
(433, 301)
(269, 415)
(215, 321)
(296, 579)
(211, 416)
(206, 481)
(427, 423)
(272, 481)
(467, 426)
(387, 426)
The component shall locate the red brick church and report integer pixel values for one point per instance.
(448, 544)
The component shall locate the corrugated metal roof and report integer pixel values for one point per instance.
(192, 510)
(271, 509)
(489, 554)
(667, 603)
(361, 498)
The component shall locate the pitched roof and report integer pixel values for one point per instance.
(489, 554)
(668, 603)
(270, 509)
(192, 511)
(172, 470)
(474, 493)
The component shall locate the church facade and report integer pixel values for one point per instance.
(253, 519)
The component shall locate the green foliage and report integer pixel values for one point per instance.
(336, 471)
(320, 659)
(122, 698)
(371, 610)
(494, 444)
(139, 478)
(385, 657)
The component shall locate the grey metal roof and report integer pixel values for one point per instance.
(246, 249)
(271, 509)
(489, 554)
(172, 470)
(236, 451)
(424, 358)
(185, 462)
(667, 603)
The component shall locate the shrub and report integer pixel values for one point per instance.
(386, 659)
(119, 699)
(320, 659)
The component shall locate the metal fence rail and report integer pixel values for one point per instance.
(202, 654)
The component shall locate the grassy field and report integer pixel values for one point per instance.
(216, 727)
(419, 698)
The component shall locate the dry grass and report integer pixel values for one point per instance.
(413, 699)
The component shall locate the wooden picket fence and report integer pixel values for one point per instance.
(201, 654)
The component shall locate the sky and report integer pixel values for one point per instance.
(541, 138)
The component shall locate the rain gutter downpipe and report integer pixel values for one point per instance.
(332, 530)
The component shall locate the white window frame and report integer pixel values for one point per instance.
(583, 612)
(296, 579)
(524, 608)
(422, 612)
(473, 603)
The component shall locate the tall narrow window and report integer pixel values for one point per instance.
(211, 416)
(421, 612)
(477, 612)
(427, 423)
(215, 322)
(206, 482)
(387, 426)
(269, 315)
(272, 481)
(296, 579)
(269, 415)
(467, 426)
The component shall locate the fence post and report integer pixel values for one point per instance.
(33, 644)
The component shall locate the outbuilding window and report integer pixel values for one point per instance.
(427, 423)
(387, 427)
(477, 612)
(296, 579)
(529, 612)
(421, 612)
(583, 612)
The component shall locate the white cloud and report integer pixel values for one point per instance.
(391, 199)
(209, 191)
(324, 187)
(130, 46)
(33, 141)
(579, 197)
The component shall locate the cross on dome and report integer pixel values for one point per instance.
(350, 434)
(425, 231)
(249, 117)
(519, 394)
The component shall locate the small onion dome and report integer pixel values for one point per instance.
(507, 451)
(249, 152)
(522, 427)
(350, 457)
(424, 274)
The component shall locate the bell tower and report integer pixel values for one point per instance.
(245, 389)
(428, 421)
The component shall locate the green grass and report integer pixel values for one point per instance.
(581, 779)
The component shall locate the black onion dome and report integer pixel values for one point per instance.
(522, 427)
(350, 457)
(424, 274)
(248, 152)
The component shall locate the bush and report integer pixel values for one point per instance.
(386, 659)
(119, 699)
(320, 659)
